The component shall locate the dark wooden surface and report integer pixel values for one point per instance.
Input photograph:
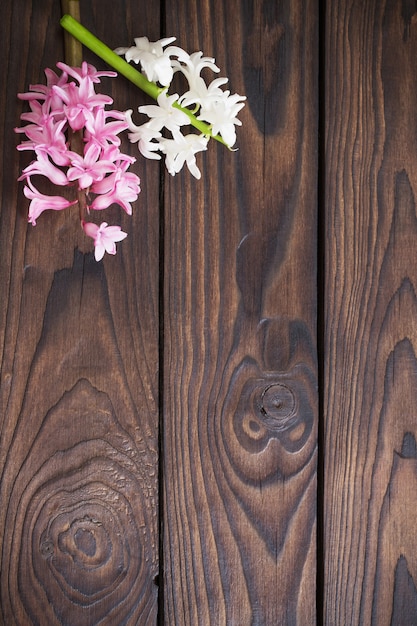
(240, 397)
(79, 372)
(369, 387)
(81, 346)
(85, 349)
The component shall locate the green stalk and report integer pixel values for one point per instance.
(83, 35)
(94, 44)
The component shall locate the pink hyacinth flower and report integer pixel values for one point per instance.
(40, 202)
(105, 238)
(47, 136)
(120, 188)
(44, 167)
(92, 161)
(89, 168)
(78, 101)
(85, 71)
(101, 132)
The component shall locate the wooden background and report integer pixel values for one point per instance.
(217, 426)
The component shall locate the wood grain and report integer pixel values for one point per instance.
(79, 371)
(370, 397)
(240, 388)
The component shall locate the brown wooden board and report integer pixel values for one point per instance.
(81, 343)
(370, 401)
(240, 386)
(79, 367)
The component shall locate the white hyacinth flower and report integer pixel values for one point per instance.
(154, 60)
(164, 114)
(202, 94)
(145, 137)
(192, 68)
(182, 149)
(221, 114)
(205, 105)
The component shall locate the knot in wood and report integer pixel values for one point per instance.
(278, 405)
(47, 548)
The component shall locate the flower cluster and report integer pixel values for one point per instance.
(76, 143)
(208, 103)
(76, 140)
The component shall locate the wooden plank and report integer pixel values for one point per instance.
(370, 468)
(240, 395)
(79, 369)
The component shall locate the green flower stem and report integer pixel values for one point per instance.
(94, 44)
(83, 35)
